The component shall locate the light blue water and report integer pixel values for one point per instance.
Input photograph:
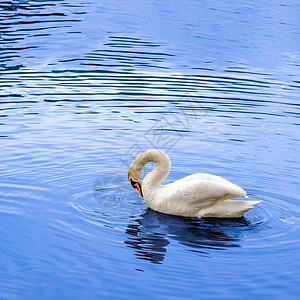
(86, 86)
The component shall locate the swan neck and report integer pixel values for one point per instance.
(161, 170)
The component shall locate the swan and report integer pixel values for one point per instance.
(198, 195)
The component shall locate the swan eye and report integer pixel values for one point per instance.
(136, 185)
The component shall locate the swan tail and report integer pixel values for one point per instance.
(230, 209)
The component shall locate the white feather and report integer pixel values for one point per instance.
(197, 195)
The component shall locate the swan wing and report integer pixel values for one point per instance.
(199, 193)
(238, 191)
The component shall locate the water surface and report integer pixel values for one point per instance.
(86, 86)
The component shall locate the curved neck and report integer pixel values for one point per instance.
(162, 169)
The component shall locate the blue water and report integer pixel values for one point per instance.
(88, 85)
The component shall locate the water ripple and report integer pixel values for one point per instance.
(113, 204)
(80, 98)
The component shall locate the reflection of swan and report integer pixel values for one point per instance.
(149, 235)
(148, 245)
(197, 195)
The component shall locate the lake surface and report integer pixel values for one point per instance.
(85, 86)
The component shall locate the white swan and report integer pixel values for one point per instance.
(198, 195)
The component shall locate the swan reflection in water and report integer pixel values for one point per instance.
(150, 234)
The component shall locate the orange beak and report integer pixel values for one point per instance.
(138, 187)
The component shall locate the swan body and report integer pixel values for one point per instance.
(198, 195)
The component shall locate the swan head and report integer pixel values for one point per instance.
(134, 177)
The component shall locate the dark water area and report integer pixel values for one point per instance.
(85, 86)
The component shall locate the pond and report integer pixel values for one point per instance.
(85, 86)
